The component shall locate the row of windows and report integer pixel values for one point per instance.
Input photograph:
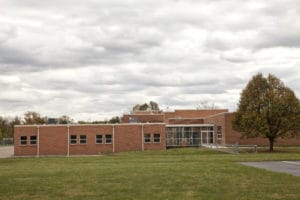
(98, 139)
(148, 138)
(32, 140)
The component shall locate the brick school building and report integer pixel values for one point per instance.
(138, 132)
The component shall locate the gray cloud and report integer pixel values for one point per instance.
(95, 59)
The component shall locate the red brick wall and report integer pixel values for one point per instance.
(128, 138)
(28, 149)
(53, 140)
(151, 118)
(186, 121)
(161, 129)
(217, 120)
(233, 136)
(91, 147)
(134, 139)
(192, 113)
(145, 117)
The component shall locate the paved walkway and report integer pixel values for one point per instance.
(6, 151)
(291, 167)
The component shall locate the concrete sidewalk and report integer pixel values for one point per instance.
(6, 151)
(290, 167)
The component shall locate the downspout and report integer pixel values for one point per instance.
(142, 137)
(68, 140)
(214, 135)
(163, 130)
(38, 142)
(113, 136)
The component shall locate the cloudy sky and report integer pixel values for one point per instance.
(94, 59)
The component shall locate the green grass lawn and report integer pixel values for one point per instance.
(189, 173)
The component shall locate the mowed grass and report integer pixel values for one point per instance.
(187, 173)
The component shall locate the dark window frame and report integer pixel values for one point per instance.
(100, 138)
(23, 142)
(32, 140)
(73, 139)
(82, 139)
(155, 137)
(147, 138)
(108, 139)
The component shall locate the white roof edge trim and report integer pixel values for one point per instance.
(222, 113)
(74, 125)
(189, 125)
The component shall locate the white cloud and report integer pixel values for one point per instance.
(95, 59)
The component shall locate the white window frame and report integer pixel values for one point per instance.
(33, 140)
(22, 140)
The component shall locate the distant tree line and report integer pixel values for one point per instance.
(113, 120)
(7, 126)
(7, 123)
(31, 117)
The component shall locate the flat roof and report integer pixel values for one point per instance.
(186, 118)
(189, 125)
(66, 125)
(151, 114)
(121, 124)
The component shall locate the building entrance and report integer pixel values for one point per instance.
(189, 135)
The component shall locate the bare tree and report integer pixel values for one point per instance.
(204, 104)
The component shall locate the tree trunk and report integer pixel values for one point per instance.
(271, 141)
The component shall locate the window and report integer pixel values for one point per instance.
(73, 139)
(147, 137)
(211, 137)
(219, 134)
(33, 139)
(108, 139)
(156, 137)
(98, 139)
(23, 140)
(133, 120)
(82, 139)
